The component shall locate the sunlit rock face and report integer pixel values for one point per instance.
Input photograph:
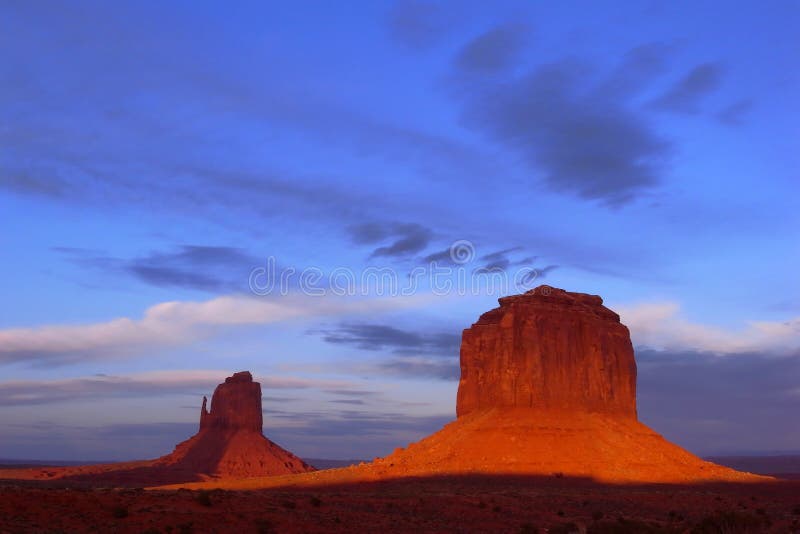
(548, 388)
(548, 349)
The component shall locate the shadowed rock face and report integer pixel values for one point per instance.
(548, 349)
(230, 442)
(235, 405)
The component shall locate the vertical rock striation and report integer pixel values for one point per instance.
(548, 387)
(235, 405)
(548, 349)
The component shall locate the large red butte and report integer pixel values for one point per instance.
(548, 349)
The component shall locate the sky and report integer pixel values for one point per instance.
(326, 194)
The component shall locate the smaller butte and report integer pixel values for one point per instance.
(230, 442)
(228, 445)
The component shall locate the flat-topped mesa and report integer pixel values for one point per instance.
(548, 349)
(235, 405)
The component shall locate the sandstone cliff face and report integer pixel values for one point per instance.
(235, 405)
(230, 442)
(548, 349)
(548, 385)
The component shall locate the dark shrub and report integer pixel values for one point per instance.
(729, 523)
(264, 526)
(120, 512)
(203, 498)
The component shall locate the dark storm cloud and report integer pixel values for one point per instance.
(685, 96)
(495, 50)
(32, 392)
(500, 259)
(200, 267)
(503, 261)
(639, 67)
(716, 404)
(442, 257)
(401, 239)
(195, 267)
(448, 369)
(733, 115)
(576, 132)
(417, 23)
(418, 354)
(366, 336)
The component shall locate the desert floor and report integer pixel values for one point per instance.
(433, 504)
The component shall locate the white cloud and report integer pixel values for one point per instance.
(175, 323)
(660, 325)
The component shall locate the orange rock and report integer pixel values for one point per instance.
(236, 405)
(548, 389)
(230, 442)
(548, 349)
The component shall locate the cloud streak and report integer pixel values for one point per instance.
(578, 135)
(372, 336)
(173, 324)
(686, 95)
(198, 267)
(400, 239)
(147, 384)
(494, 50)
(661, 325)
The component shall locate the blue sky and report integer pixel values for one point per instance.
(153, 155)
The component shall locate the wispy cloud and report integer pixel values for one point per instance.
(373, 336)
(661, 325)
(734, 114)
(395, 239)
(494, 50)
(582, 135)
(147, 384)
(686, 95)
(200, 267)
(418, 24)
(172, 324)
